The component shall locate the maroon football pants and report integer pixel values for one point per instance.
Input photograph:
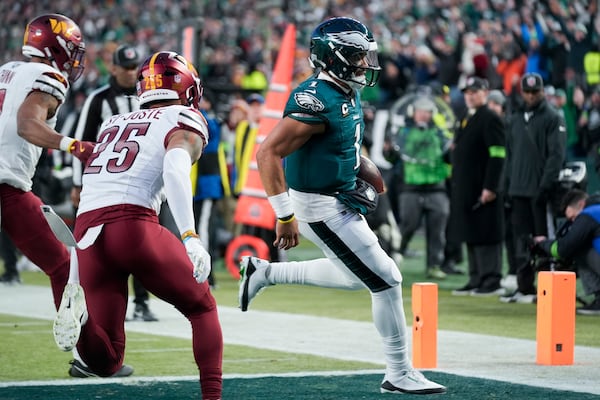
(133, 242)
(22, 219)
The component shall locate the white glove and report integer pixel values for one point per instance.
(200, 258)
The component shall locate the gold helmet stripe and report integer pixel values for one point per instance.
(151, 77)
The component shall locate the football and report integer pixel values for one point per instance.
(370, 173)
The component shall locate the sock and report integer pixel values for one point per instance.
(390, 321)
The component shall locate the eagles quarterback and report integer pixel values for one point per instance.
(319, 139)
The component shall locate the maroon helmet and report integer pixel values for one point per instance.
(57, 39)
(167, 75)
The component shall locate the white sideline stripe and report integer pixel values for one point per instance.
(467, 354)
(278, 87)
(161, 350)
(130, 381)
(33, 323)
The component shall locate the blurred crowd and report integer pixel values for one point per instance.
(421, 41)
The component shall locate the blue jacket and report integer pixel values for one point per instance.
(209, 185)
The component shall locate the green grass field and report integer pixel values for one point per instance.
(29, 354)
(458, 313)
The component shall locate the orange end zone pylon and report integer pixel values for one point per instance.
(425, 324)
(555, 331)
(253, 208)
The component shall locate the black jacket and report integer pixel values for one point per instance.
(477, 164)
(535, 151)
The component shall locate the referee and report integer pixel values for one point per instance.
(117, 97)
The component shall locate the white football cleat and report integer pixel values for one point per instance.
(253, 272)
(412, 382)
(72, 314)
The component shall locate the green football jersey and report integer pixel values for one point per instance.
(327, 163)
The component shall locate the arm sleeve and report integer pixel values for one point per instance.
(177, 166)
(495, 142)
(508, 158)
(555, 150)
(578, 239)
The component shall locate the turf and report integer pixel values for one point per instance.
(457, 313)
(155, 356)
(326, 387)
(150, 355)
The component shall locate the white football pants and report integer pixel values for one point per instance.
(355, 260)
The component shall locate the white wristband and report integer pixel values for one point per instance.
(282, 205)
(65, 143)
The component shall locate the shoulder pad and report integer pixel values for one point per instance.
(193, 120)
(52, 83)
(308, 100)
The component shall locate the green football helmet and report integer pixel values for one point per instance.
(345, 48)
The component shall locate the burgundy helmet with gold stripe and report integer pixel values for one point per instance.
(167, 75)
(57, 39)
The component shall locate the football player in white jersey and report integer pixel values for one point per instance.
(140, 158)
(30, 96)
(320, 137)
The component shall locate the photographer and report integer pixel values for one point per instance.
(580, 242)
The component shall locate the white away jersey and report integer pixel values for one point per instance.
(127, 164)
(18, 157)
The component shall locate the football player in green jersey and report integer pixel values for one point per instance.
(315, 192)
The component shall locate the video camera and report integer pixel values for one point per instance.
(539, 260)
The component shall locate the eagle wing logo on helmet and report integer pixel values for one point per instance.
(354, 39)
(307, 100)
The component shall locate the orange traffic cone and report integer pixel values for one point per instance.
(253, 208)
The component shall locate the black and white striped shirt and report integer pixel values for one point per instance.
(102, 103)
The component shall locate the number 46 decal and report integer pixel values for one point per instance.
(118, 144)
